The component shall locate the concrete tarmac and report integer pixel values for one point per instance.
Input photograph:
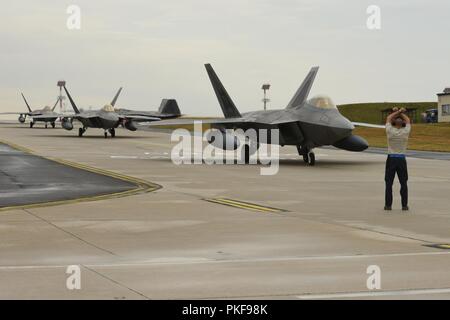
(173, 244)
(27, 179)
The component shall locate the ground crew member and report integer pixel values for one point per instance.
(398, 127)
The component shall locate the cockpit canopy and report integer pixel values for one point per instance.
(108, 108)
(322, 102)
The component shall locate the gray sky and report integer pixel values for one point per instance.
(156, 49)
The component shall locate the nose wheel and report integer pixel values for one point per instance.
(31, 124)
(308, 156)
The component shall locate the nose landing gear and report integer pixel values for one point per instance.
(81, 131)
(308, 156)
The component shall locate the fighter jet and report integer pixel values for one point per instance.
(46, 115)
(168, 109)
(106, 118)
(303, 123)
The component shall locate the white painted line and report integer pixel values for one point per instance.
(190, 261)
(123, 157)
(369, 294)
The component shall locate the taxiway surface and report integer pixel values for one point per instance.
(171, 243)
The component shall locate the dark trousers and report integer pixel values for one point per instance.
(396, 165)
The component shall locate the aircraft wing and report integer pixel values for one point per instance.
(139, 118)
(43, 116)
(226, 123)
(25, 113)
(368, 125)
(175, 122)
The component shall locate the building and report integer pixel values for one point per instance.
(444, 106)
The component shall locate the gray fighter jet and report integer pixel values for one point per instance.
(46, 115)
(168, 109)
(303, 123)
(106, 118)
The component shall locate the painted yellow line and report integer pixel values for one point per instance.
(142, 186)
(248, 205)
(244, 205)
(444, 246)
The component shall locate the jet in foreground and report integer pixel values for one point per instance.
(46, 115)
(107, 118)
(303, 123)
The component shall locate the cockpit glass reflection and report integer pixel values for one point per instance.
(322, 102)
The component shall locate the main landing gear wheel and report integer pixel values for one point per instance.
(31, 124)
(46, 125)
(310, 158)
(112, 132)
(80, 132)
(106, 134)
(53, 125)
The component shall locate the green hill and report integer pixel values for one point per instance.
(371, 112)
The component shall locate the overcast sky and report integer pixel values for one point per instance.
(156, 49)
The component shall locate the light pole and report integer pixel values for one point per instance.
(265, 87)
(61, 84)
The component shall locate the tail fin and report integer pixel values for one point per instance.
(28, 106)
(227, 105)
(56, 103)
(302, 93)
(113, 102)
(169, 106)
(71, 101)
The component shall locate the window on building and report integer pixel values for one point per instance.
(446, 109)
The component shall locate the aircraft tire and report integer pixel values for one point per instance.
(112, 132)
(31, 124)
(106, 134)
(53, 125)
(311, 158)
(80, 132)
(46, 125)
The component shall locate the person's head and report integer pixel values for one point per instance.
(398, 123)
